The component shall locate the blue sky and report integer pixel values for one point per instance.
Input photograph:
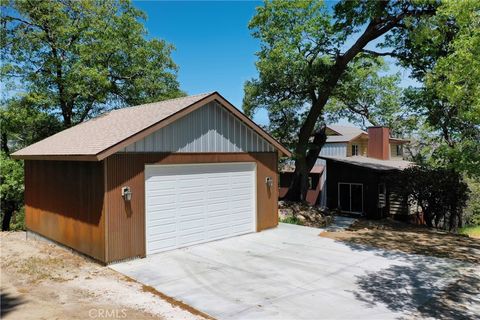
(214, 47)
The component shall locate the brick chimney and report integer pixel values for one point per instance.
(378, 143)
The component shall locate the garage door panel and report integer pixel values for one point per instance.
(160, 236)
(159, 208)
(162, 192)
(188, 200)
(187, 185)
(192, 224)
(219, 233)
(160, 200)
(219, 219)
(192, 238)
(216, 195)
(162, 244)
(201, 203)
(162, 228)
(185, 216)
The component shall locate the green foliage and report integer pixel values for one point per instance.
(442, 194)
(472, 211)
(442, 52)
(291, 220)
(23, 124)
(470, 231)
(11, 188)
(364, 96)
(18, 220)
(289, 65)
(77, 58)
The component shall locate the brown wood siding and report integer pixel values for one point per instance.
(64, 202)
(126, 223)
(362, 147)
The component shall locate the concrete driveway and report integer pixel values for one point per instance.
(291, 273)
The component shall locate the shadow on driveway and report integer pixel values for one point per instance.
(8, 303)
(421, 285)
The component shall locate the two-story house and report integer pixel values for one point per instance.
(345, 141)
(357, 165)
(352, 169)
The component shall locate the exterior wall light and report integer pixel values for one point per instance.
(269, 181)
(126, 193)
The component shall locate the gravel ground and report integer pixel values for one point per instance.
(40, 280)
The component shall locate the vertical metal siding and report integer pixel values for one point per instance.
(210, 128)
(64, 202)
(334, 149)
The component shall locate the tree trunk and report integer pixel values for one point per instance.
(4, 144)
(303, 165)
(7, 216)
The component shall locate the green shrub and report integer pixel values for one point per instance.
(291, 220)
(472, 211)
(442, 194)
(18, 220)
(11, 188)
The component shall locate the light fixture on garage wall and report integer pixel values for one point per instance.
(269, 181)
(126, 193)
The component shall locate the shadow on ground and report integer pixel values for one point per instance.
(392, 235)
(418, 285)
(8, 303)
(420, 290)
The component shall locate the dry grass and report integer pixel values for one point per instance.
(41, 268)
(393, 235)
(43, 281)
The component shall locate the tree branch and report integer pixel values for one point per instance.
(381, 54)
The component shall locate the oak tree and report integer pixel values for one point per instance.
(76, 59)
(306, 50)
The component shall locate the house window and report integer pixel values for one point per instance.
(354, 149)
(399, 150)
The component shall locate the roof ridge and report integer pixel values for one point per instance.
(174, 99)
(161, 101)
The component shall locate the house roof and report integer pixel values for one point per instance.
(291, 168)
(372, 163)
(104, 135)
(345, 133)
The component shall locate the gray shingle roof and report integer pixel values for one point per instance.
(95, 135)
(346, 133)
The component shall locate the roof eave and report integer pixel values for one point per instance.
(56, 157)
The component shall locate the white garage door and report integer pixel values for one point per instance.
(189, 204)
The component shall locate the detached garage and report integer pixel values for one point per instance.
(151, 178)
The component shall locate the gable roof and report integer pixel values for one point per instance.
(97, 138)
(345, 133)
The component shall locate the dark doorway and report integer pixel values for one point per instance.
(350, 197)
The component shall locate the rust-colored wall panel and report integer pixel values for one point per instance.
(64, 202)
(378, 143)
(126, 224)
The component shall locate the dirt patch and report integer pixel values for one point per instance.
(394, 235)
(43, 281)
(175, 302)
